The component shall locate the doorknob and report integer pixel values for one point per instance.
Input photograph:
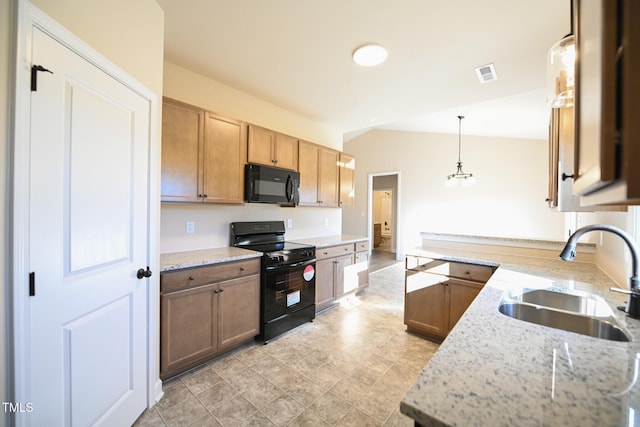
(142, 273)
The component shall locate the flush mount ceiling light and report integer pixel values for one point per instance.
(460, 176)
(369, 55)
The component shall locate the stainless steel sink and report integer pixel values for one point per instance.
(567, 299)
(569, 310)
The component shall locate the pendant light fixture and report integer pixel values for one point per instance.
(460, 176)
(561, 65)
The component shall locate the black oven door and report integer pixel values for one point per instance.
(287, 289)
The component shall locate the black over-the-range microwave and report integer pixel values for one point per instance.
(265, 184)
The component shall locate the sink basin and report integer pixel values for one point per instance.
(567, 299)
(585, 325)
(569, 310)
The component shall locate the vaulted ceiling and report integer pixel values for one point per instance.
(297, 54)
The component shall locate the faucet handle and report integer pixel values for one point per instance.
(633, 303)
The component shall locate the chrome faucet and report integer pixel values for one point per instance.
(569, 253)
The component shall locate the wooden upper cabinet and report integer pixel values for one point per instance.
(203, 155)
(319, 175)
(308, 155)
(223, 160)
(328, 177)
(182, 138)
(270, 148)
(286, 151)
(607, 109)
(347, 179)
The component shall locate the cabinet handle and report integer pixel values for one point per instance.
(216, 291)
(565, 176)
(221, 290)
(241, 268)
(192, 278)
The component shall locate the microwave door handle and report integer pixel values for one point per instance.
(289, 188)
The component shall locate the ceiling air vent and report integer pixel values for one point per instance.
(486, 73)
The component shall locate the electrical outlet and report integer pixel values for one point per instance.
(289, 223)
(326, 221)
(190, 227)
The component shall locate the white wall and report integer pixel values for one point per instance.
(211, 220)
(612, 255)
(507, 200)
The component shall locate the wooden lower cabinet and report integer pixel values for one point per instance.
(435, 302)
(325, 289)
(426, 308)
(200, 321)
(461, 295)
(340, 269)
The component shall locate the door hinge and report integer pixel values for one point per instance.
(34, 76)
(32, 284)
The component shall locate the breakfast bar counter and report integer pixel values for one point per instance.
(494, 370)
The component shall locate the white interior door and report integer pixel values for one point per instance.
(88, 236)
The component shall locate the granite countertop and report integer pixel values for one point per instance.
(493, 370)
(177, 260)
(325, 241)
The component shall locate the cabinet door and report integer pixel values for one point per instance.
(238, 310)
(261, 144)
(461, 295)
(223, 160)
(187, 333)
(308, 165)
(182, 137)
(596, 107)
(426, 308)
(345, 278)
(361, 269)
(286, 152)
(325, 288)
(328, 173)
(347, 179)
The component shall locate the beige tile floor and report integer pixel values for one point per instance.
(350, 367)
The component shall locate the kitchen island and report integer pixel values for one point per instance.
(493, 370)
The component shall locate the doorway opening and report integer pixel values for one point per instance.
(383, 211)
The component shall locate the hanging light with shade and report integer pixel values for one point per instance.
(561, 65)
(460, 176)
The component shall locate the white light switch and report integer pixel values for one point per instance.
(191, 227)
(289, 223)
(326, 221)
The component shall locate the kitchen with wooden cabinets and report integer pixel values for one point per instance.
(210, 304)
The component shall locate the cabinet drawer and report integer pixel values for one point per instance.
(474, 272)
(361, 257)
(334, 251)
(196, 276)
(362, 246)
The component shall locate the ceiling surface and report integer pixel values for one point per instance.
(296, 54)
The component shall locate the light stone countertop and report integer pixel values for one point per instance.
(325, 241)
(185, 259)
(493, 370)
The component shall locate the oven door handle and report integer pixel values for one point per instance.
(295, 265)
